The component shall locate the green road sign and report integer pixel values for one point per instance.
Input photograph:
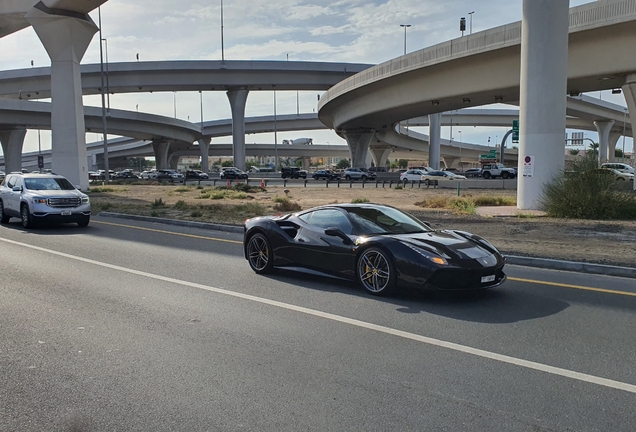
(515, 131)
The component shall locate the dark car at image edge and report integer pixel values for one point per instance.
(379, 246)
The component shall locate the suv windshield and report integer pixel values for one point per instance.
(48, 184)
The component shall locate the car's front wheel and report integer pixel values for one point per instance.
(84, 221)
(348, 178)
(3, 217)
(259, 254)
(376, 272)
(25, 216)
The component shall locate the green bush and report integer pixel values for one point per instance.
(183, 189)
(359, 200)
(585, 193)
(285, 204)
(462, 205)
(181, 205)
(158, 203)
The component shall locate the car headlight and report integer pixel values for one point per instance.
(38, 200)
(86, 200)
(428, 255)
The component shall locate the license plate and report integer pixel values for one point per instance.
(68, 213)
(485, 279)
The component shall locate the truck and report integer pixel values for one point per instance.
(494, 170)
(299, 141)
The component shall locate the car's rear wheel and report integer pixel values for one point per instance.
(364, 178)
(3, 217)
(348, 178)
(25, 216)
(486, 175)
(259, 254)
(84, 221)
(505, 175)
(376, 272)
(620, 179)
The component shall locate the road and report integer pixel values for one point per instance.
(147, 327)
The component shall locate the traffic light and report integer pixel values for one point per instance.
(40, 161)
(462, 24)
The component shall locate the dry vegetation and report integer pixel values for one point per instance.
(610, 242)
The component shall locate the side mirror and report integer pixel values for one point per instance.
(337, 232)
(17, 189)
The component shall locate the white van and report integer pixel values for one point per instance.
(624, 168)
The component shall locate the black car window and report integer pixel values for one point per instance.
(305, 217)
(331, 218)
(385, 220)
(9, 181)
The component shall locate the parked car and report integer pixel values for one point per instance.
(618, 176)
(196, 175)
(152, 174)
(36, 198)
(497, 170)
(232, 174)
(441, 175)
(293, 172)
(170, 175)
(101, 175)
(358, 174)
(377, 169)
(412, 175)
(472, 172)
(126, 175)
(624, 168)
(325, 175)
(378, 246)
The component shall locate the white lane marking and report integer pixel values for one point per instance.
(362, 324)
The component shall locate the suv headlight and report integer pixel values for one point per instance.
(86, 200)
(38, 200)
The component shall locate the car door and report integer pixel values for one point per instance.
(322, 252)
(14, 196)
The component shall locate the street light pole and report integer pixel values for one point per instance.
(275, 136)
(405, 27)
(104, 125)
(471, 22)
(624, 126)
(222, 48)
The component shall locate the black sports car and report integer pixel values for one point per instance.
(377, 245)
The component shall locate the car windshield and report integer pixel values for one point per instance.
(385, 220)
(48, 184)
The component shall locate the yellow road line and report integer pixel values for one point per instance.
(579, 287)
(556, 284)
(169, 232)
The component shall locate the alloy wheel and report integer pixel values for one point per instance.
(374, 271)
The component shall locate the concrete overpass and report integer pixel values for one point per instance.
(481, 69)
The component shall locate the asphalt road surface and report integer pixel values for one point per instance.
(132, 326)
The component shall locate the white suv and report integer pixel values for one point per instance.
(42, 197)
(624, 168)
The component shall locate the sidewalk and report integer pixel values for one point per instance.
(507, 211)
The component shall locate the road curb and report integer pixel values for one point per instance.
(575, 266)
(201, 225)
(552, 264)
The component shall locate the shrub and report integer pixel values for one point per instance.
(181, 205)
(158, 203)
(585, 193)
(196, 213)
(183, 189)
(359, 200)
(285, 204)
(462, 205)
(104, 189)
(481, 201)
(399, 186)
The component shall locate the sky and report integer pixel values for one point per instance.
(356, 31)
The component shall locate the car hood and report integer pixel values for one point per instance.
(450, 245)
(57, 193)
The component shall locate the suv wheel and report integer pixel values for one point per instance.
(486, 175)
(348, 177)
(25, 216)
(3, 217)
(84, 222)
(505, 174)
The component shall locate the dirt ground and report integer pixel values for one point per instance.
(605, 242)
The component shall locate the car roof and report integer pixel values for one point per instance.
(38, 175)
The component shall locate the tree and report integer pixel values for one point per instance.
(593, 151)
(403, 163)
(343, 164)
(618, 153)
(228, 163)
(574, 152)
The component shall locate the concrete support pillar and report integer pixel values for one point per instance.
(305, 162)
(544, 65)
(359, 148)
(603, 128)
(614, 136)
(380, 156)
(435, 137)
(238, 100)
(173, 161)
(452, 162)
(629, 91)
(204, 149)
(161, 153)
(12, 142)
(65, 38)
